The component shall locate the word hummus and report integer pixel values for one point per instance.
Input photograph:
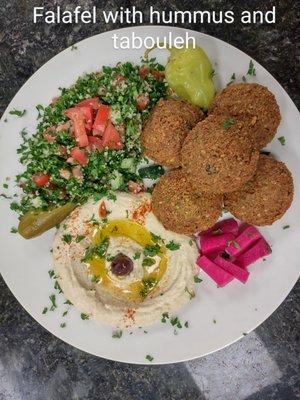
(136, 42)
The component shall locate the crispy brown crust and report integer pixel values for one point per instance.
(250, 101)
(266, 197)
(182, 210)
(165, 130)
(218, 160)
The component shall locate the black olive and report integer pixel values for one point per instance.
(121, 265)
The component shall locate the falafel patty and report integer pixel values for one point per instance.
(255, 103)
(266, 197)
(182, 210)
(217, 156)
(165, 130)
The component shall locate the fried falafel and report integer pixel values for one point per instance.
(182, 210)
(253, 102)
(266, 197)
(165, 130)
(217, 155)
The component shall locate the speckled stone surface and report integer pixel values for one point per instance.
(35, 365)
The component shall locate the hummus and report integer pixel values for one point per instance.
(161, 278)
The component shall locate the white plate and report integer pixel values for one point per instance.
(236, 308)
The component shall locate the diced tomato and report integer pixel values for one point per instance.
(144, 71)
(48, 137)
(91, 102)
(101, 120)
(111, 138)
(96, 143)
(120, 78)
(142, 101)
(79, 156)
(77, 116)
(102, 210)
(41, 179)
(158, 74)
(87, 112)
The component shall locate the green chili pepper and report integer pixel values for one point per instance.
(189, 74)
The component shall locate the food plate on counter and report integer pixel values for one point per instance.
(149, 201)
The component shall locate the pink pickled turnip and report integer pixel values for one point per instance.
(229, 225)
(218, 274)
(246, 239)
(214, 243)
(259, 250)
(238, 272)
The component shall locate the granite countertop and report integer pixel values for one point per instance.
(33, 363)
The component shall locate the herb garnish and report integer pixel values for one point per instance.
(137, 255)
(285, 226)
(84, 316)
(18, 113)
(282, 140)
(164, 317)
(45, 309)
(14, 230)
(173, 246)
(63, 325)
(148, 285)
(67, 238)
(149, 358)
(197, 279)
(228, 123)
(151, 250)
(79, 238)
(232, 79)
(52, 298)
(147, 262)
(191, 294)
(251, 69)
(117, 334)
(98, 250)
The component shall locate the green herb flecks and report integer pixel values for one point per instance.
(164, 317)
(67, 238)
(117, 334)
(79, 238)
(151, 250)
(228, 123)
(137, 255)
(84, 316)
(285, 226)
(232, 79)
(147, 262)
(282, 140)
(148, 286)
(149, 358)
(98, 250)
(13, 230)
(197, 279)
(52, 298)
(63, 325)
(190, 293)
(18, 113)
(251, 70)
(173, 246)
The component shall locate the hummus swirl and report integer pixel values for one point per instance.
(163, 284)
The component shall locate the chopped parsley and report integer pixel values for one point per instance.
(148, 285)
(117, 334)
(151, 250)
(45, 309)
(5, 185)
(190, 293)
(57, 287)
(14, 230)
(186, 324)
(63, 325)
(251, 70)
(65, 313)
(73, 47)
(84, 316)
(79, 238)
(164, 317)
(67, 238)
(149, 358)
(147, 262)
(214, 321)
(173, 246)
(95, 279)
(155, 238)
(286, 227)
(176, 322)
(232, 79)
(137, 255)
(244, 334)
(98, 250)
(197, 279)
(52, 298)
(227, 123)
(68, 302)
(18, 113)
(282, 140)
(191, 242)
(51, 273)
(244, 79)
